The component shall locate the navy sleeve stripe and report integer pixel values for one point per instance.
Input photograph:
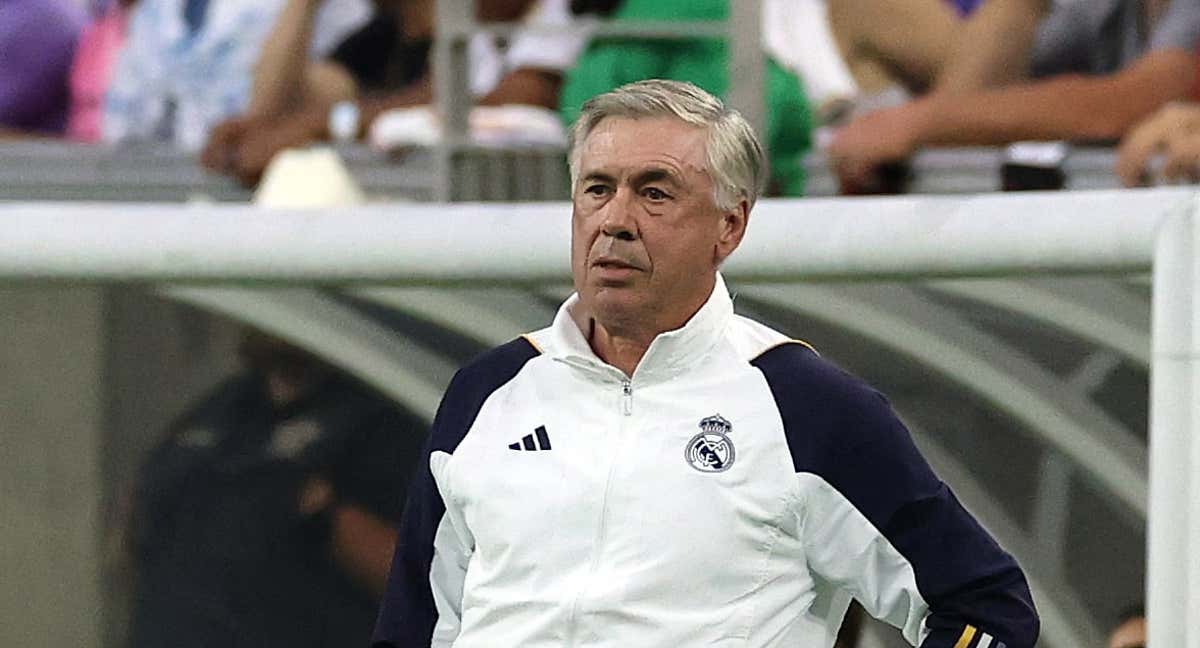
(471, 386)
(843, 431)
(408, 615)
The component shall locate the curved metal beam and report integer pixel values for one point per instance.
(406, 371)
(900, 319)
(1097, 310)
(1065, 621)
(492, 317)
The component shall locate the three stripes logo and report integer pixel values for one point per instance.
(973, 638)
(539, 440)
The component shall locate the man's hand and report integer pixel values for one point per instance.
(220, 153)
(243, 147)
(1174, 133)
(865, 144)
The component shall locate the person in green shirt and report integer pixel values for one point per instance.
(612, 62)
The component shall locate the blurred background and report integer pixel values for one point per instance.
(222, 465)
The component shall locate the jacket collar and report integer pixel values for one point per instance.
(669, 354)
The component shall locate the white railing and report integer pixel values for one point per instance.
(990, 235)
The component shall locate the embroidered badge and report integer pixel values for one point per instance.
(712, 449)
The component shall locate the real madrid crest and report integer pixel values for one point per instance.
(712, 449)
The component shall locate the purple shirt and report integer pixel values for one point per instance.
(965, 7)
(37, 42)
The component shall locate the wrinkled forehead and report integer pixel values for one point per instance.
(628, 144)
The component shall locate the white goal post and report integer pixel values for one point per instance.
(789, 240)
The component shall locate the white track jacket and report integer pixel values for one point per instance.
(737, 490)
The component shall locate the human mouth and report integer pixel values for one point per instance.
(613, 267)
(613, 263)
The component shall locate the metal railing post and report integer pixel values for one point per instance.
(455, 23)
(1173, 523)
(747, 73)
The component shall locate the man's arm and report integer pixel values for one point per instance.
(1067, 107)
(256, 149)
(362, 546)
(993, 48)
(876, 522)
(422, 602)
(284, 76)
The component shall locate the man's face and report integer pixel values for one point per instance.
(647, 236)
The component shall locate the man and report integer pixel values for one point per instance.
(266, 516)
(611, 62)
(1082, 70)
(185, 65)
(383, 67)
(653, 470)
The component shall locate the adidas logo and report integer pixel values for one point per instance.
(528, 442)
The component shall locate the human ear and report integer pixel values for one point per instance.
(732, 229)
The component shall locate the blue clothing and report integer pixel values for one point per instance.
(187, 65)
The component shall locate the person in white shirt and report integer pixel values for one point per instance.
(654, 470)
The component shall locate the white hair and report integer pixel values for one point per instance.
(735, 158)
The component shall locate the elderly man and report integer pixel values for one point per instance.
(654, 470)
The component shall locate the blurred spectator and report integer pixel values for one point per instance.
(1163, 148)
(265, 518)
(1098, 71)
(382, 68)
(611, 62)
(1130, 631)
(92, 68)
(186, 64)
(37, 41)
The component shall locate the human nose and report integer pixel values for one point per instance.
(619, 222)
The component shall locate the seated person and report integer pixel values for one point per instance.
(1168, 141)
(186, 64)
(37, 41)
(100, 43)
(1034, 69)
(612, 62)
(266, 517)
(383, 67)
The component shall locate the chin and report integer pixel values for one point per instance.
(616, 303)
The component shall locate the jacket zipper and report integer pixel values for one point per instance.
(601, 528)
(627, 397)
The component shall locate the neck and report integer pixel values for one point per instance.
(621, 349)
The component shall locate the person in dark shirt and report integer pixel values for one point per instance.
(383, 66)
(266, 516)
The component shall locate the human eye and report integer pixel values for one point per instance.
(596, 189)
(655, 194)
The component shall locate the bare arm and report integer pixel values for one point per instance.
(362, 545)
(993, 47)
(527, 86)
(1069, 107)
(284, 77)
(252, 153)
